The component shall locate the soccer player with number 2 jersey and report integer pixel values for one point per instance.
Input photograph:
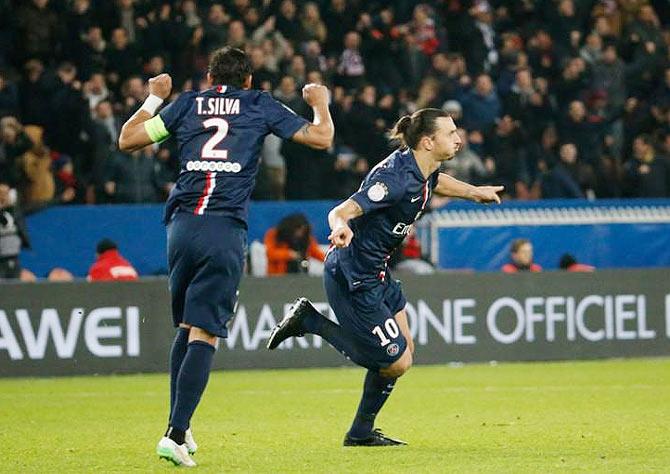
(220, 132)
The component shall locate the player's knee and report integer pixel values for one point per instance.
(410, 346)
(199, 334)
(399, 367)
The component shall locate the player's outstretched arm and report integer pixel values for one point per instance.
(136, 133)
(318, 134)
(451, 187)
(338, 219)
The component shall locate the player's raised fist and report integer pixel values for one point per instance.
(161, 86)
(341, 237)
(315, 94)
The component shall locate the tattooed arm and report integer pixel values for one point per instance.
(318, 134)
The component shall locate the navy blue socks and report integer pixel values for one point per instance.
(337, 337)
(376, 390)
(191, 383)
(177, 353)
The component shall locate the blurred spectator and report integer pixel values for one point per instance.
(569, 263)
(14, 142)
(65, 131)
(467, 165)
(646, 174)
(263, 78)
(339, 18)
(506, 147)
(59, 275)
(480, 36)
(572, 82)
(312, 26)
(135, 177)
(275, 47)
(237, 35)
(215, 30)
(122, 58)
(154, 66)
(585, 132)
(7, 33)
(9, 96)
(39, 187)
(481, 105)
(92, 54)
(39, 32)
(290, 245)
(385, 51)
(110, 265)
(95, 90)
(369, 127)
(591, 52)
(563, 180)
(78, 20)
(609, 75)
(13, 236)
(27, 276)
(314, 60)
(35, 89)
(351, 67)
(103, 116)
(288, 23)
(521, 254)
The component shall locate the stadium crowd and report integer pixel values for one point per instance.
(556, 98)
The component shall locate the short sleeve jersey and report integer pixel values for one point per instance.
(219, 133)
(393, 196)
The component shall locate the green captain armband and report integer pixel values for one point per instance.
(156, 129)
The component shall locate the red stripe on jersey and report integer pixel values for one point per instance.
(199, 209)
(425, 196)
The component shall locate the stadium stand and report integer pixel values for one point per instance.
(529, 77)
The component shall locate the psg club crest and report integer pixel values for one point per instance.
(377, 192)
(393, 349)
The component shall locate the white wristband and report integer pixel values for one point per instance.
(151, 104)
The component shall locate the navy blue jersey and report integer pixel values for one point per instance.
(220, 132)
(393, 196)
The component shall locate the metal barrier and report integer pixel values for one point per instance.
(607, 234)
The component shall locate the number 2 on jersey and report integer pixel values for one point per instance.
(208, 151)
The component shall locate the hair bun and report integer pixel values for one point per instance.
(404, 123)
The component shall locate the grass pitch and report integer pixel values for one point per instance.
(609, 416)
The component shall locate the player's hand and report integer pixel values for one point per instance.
(161, 86)
(315, 94)
(341, 237)
(486, 194)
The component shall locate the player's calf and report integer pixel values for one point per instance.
(399, 367)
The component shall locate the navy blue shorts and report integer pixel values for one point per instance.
(367, 313)
(206, 259)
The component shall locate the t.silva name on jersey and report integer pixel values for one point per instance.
(217, 106)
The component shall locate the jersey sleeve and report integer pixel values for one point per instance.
(434, 179)
(280, 119)
(382, 190)
(172, 114)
